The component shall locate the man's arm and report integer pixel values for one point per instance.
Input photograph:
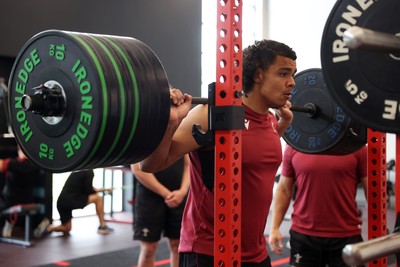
(176, 197)
(178, 139)
(149, 181)
(282, 197)
(186, 174)
(364, 183)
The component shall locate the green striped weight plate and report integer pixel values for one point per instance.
(116, 94)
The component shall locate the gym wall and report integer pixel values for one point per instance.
(171, 28)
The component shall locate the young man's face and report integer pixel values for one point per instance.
(276, 83)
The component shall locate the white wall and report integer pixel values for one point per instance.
(300, 24)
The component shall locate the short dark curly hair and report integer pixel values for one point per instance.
(261, 55)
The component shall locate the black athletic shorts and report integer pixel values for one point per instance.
(312, 251)
(153, 218)
(66, 204)
(189, 259)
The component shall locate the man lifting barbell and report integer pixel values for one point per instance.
(82, 130)
(268, 70)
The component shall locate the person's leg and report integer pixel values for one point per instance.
(147, 254)
(8, 228)
(174, 255)
(148, 224)
(172, 231)
(98, 202)
(65, 228)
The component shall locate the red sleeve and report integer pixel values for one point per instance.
(287, 167)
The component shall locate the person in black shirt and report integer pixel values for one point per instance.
(159, 203)
(77, 193)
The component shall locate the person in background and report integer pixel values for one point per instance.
(160, 200)
(267, 81)
(325, 215)
(21, 177)
(77, 193)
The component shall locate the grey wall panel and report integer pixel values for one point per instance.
(172, 28)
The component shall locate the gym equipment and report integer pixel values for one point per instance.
(96, 100)
(363, 252)
(27, 210)
(364, 80)
(84, 101)
(325, 128)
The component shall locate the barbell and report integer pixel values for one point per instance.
(84, 101)
(80, 100)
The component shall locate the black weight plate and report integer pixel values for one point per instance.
(57, 56)
(325, 132)
(364, 83)
(107, 141)
(154, 97)
(129, 103)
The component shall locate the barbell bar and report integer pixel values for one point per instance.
(360, 253)
(360, 38)
(46, 102)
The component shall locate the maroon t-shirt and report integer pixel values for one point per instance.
(261, 157)
(325, 203)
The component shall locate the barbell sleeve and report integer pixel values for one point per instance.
(363, 252)
(360, 38)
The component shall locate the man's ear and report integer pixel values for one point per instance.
(258, 76)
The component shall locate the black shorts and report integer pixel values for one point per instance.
(312, 251)
(190, 259)
(65, 205)
(153, 218)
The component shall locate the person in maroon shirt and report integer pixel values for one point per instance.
(325, 215)
(268, 71)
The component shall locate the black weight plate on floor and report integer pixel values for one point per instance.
(364, 83)
(62, 146)
(330, 130)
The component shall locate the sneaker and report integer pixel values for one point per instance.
(7, 229)
(41, 229)
(104, 230)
